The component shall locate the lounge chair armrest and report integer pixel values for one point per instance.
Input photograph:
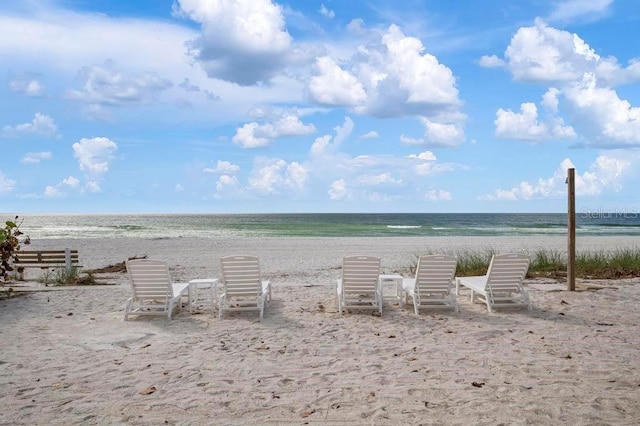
(180, 289)
(266, 288)
(476, 284)
(409, 284)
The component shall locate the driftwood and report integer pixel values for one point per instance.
(118, 267)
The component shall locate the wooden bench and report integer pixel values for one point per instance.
(45, 259)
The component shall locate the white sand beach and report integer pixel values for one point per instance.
(69, 358)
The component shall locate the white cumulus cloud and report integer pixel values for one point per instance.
(380, 179)
(228, 186)
(105, 86)
(327, 13)
(62, 189)
(36, 157)
(426, 155)
(242, 41)
(612, 121)
(438, 195)
(527, 125)
(41, 124)
(28, 85)
(334, 86)
(603, 174)
(223, 168)
(442, 134)
(327, 145)
(92, 186)
(390, 78)
(491, 61)
(338, 190)
(274, 176)
(582, 86)
(94, 155)
(369, 135)
(255, 135)
(6, 184)
(545, 54)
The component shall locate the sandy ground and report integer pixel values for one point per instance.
(68, 357)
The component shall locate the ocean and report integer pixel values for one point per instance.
(326, 225)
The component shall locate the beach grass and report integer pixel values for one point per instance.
(474, 262)
(62, 277)
(602, 264)
(609, 265)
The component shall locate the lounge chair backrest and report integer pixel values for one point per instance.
(153, 291)
(435, 274)
(507, 271)
(359, 285)
(241, 276)
(360, 274)
(149, 279)
(503, 283)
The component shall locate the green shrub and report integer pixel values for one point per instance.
(9, 245)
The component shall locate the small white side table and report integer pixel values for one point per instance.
(391, 278)
(203, 291)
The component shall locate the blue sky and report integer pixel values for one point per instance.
(242, 106)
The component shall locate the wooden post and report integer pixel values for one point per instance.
(571, 230)
(67, 259)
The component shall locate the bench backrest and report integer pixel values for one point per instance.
(38, 258)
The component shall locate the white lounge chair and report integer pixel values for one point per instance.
(153, 291)
(502, 286)
(433, 283)
(359, 287)
(243, 288)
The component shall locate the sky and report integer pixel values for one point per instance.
(303, 106)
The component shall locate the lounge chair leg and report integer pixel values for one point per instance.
(127, 309)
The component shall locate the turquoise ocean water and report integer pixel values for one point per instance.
(326, 225)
